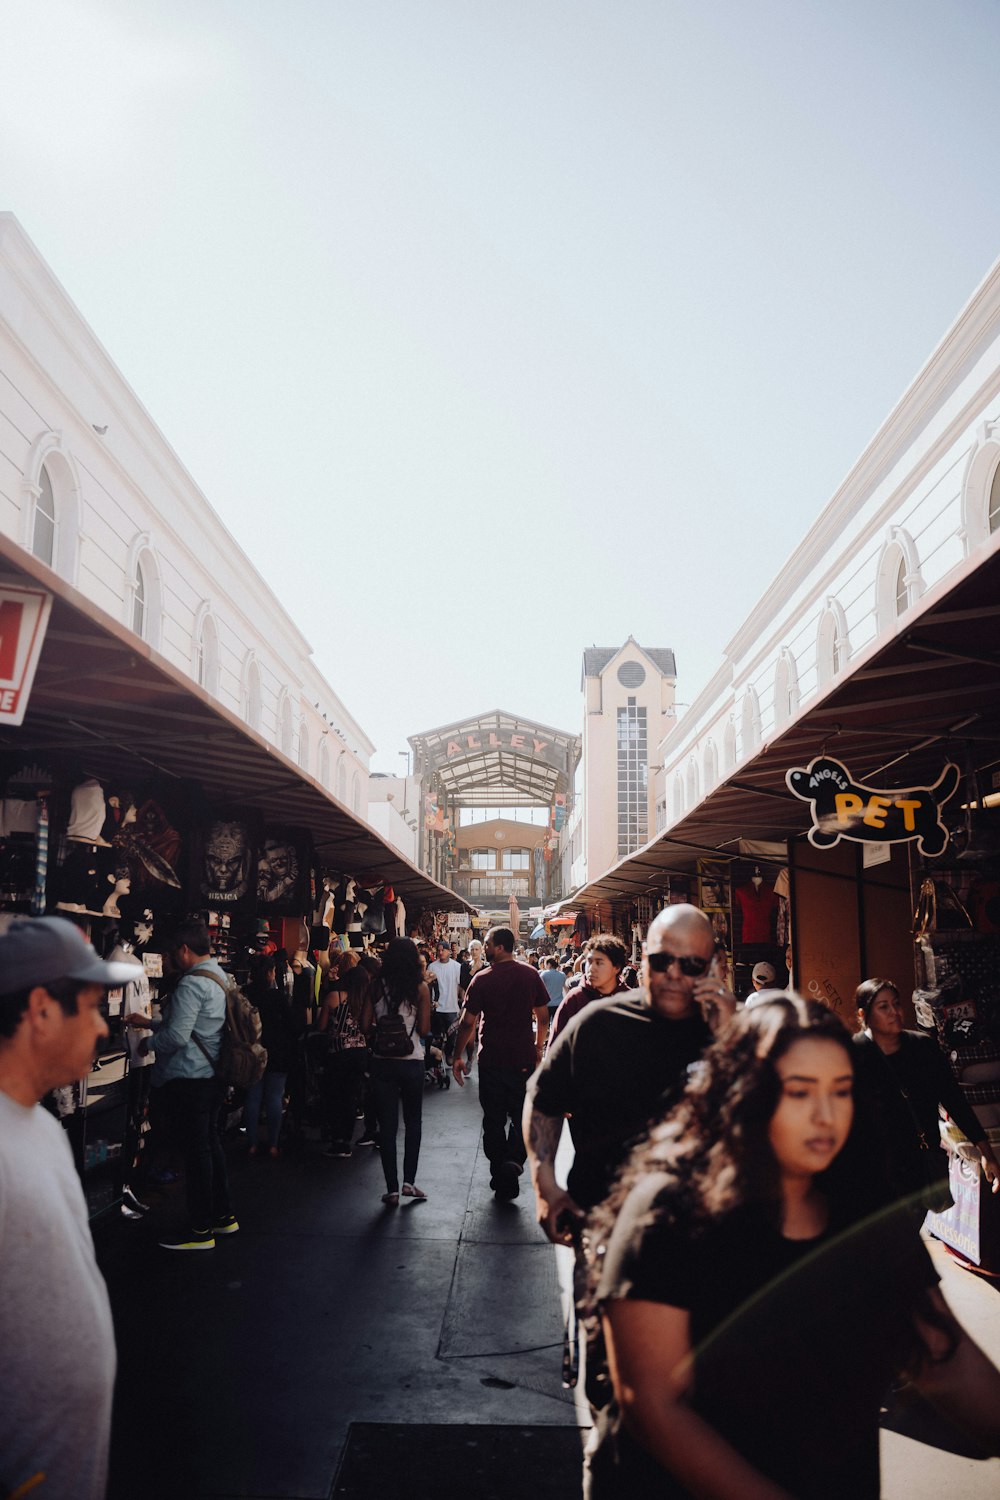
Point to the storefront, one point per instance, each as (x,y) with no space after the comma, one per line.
(131,797)
(901,878)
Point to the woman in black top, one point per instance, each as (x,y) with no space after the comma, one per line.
(749,1310)
(903,1078)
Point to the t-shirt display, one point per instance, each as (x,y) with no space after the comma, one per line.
(504,998)
(609,1070)
(55,1321)
(795,1341)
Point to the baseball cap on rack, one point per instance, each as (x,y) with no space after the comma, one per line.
(40,950)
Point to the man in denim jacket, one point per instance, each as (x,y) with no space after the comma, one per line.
(192,1094)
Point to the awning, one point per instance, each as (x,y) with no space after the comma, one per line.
(930,694)
(105,702)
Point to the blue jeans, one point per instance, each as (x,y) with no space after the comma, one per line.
(269,1090)
(395,1081)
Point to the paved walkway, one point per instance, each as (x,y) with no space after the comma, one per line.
(241,1371)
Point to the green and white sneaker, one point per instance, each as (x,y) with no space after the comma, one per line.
(196,1239)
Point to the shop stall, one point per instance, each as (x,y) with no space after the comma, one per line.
(864,840)
(130,799)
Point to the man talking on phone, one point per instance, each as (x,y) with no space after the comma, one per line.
(617,1063)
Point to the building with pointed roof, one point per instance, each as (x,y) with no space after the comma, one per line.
(628,708)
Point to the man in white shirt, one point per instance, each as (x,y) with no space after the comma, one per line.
(55,1321)
(448,973)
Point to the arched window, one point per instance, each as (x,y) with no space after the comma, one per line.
(324,763)
(139,602)
(285,724)
(206,651)
(356,793)
(729,747)
(50,505)
(786,688)
(833,647)
(678,797)
(981,489)
(251,693)
(693,790)
(750,722)
(303,746)
(898,583)
(710,764)
(43,531)
(143,597)
(342,778)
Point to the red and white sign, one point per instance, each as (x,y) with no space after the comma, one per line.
(24,618)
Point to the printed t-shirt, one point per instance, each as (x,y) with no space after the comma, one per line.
(448,976)
(504,998)
(56,1333)
(611,1071)
(794,1341)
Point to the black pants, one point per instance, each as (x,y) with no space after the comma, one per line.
(397,1081)
(501,1095)
(192,1107)
(343,1074)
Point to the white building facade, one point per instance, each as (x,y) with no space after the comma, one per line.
(921,503)
(90,485)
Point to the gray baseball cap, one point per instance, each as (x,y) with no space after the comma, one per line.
(39,950)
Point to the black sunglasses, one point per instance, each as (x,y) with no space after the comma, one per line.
(693,968)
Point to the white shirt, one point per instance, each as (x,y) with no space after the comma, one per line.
(447,974)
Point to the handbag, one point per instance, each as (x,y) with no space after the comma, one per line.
(345,1033)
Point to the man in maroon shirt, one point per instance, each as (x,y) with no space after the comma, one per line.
(510,1004)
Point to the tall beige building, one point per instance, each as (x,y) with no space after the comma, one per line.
(628,708)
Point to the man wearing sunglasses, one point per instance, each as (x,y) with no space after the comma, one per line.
(617,1062)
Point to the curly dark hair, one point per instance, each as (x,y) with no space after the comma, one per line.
(401,974)
(714,1142)
(713,1146)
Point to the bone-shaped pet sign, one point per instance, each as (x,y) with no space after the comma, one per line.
(846,809)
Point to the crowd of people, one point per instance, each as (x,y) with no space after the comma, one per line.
(743,1204)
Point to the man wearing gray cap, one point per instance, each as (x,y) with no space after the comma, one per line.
(55,1322)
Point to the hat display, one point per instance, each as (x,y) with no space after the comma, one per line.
(762,973)
(40,950)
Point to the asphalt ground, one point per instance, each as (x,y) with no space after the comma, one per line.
(242,1370)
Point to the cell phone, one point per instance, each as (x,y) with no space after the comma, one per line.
(567,1223)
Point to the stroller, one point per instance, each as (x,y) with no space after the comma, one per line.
(437,1073)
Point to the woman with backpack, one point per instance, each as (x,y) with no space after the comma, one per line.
(396,1016)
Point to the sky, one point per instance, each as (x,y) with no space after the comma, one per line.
(493,331)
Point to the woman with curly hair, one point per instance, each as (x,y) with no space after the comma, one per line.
(748,1304)
(398,997)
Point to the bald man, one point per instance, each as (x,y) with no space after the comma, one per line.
(619,1062)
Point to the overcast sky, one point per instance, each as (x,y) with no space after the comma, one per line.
(497,330)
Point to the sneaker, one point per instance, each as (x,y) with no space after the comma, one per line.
(367,1140)
(340,1150)
(226,1225)
(133,1204)
(198,1239)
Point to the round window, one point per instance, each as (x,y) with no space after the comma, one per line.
(631,674)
